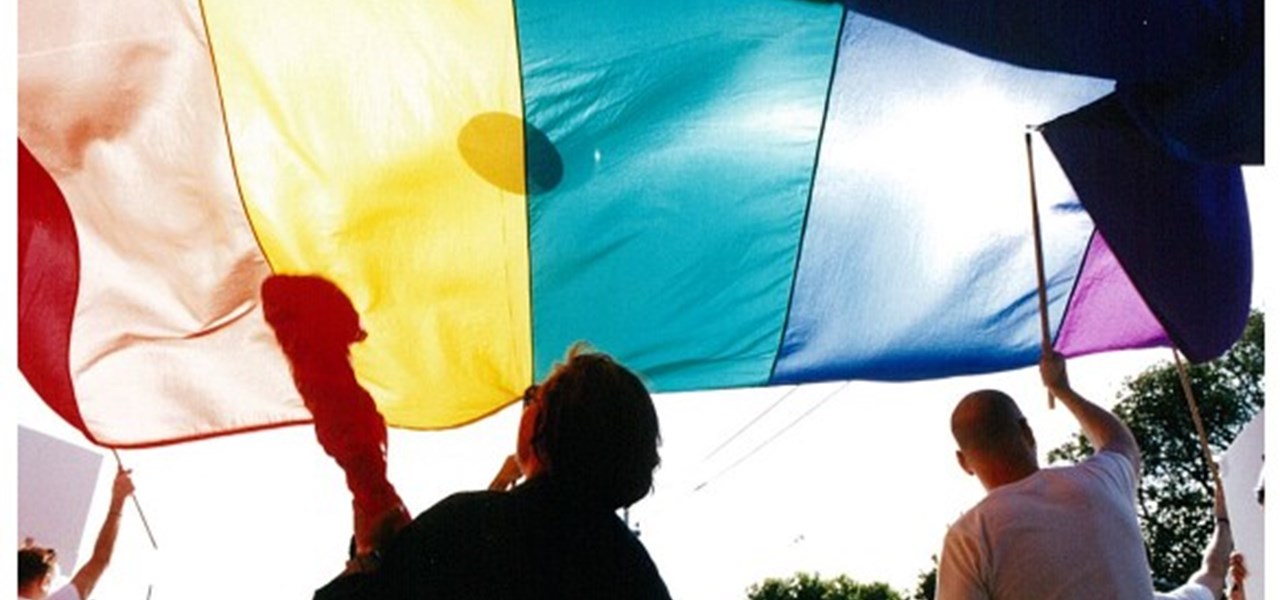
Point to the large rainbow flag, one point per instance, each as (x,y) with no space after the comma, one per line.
(721,193)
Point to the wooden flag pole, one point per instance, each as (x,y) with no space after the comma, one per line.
(136,505)
(1046,346)
(1195,418)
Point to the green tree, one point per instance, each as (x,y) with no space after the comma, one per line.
(926,583)
(1175,495)
(811,586)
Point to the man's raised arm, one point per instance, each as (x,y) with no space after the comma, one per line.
(87,577)
(1103,429)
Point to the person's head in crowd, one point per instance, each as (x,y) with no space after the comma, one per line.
(37,567)
(994,441)
(591,427)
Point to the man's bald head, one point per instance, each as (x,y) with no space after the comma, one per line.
(987,422)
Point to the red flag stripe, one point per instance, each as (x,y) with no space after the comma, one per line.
(48,280)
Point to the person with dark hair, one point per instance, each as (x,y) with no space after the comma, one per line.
(38,566)
(1056,533)
(587,446)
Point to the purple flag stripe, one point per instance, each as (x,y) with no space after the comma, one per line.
(1105,311)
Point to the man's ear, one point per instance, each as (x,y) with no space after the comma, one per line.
(964,462)
(1027,435)
(528,453)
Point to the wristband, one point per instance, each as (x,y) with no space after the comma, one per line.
(365,563)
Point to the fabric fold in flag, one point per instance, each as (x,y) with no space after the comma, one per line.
(166,340)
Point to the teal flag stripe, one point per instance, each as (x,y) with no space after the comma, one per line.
(671,149)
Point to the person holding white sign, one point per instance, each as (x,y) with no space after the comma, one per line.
(38,566)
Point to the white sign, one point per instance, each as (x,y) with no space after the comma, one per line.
(56,481)
(1241,475)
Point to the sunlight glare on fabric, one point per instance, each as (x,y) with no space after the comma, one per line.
(969,142)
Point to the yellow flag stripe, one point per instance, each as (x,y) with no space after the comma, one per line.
(379,145)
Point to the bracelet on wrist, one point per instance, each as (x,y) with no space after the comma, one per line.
(365,563)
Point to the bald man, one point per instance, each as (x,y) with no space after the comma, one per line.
(1044,534)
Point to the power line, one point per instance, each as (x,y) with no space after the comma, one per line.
(772,438)
(753,421)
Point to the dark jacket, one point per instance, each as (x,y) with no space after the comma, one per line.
(534,542)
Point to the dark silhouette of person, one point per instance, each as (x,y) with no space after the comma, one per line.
(587,446)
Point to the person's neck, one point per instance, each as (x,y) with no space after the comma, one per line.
(1002,475)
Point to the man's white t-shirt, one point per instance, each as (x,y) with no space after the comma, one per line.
(1188,591)
(1061,533)
(66,592)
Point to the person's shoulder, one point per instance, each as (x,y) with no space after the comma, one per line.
(1102,460)
(1109,460)
(455,515)
(1001,503)
(971,520)
(448,529)
(623,567)
(471,498)
(465,503)
(1112,469)
(66,592)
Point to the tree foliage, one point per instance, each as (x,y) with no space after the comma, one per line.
(1175,495)
(811,586)
(926,583)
